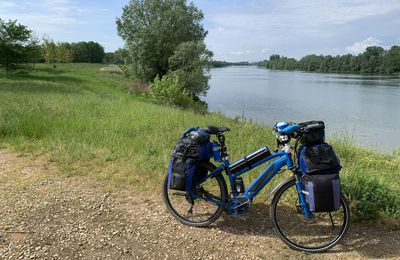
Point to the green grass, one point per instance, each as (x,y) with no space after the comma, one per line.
(83,118)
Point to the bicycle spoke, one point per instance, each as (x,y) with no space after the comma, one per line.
(322,230)
(199,205)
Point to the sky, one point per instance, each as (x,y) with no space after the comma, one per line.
(246,30)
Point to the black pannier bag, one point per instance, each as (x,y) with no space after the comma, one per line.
(192,148)
(322,192)
(320,158)
(314,132)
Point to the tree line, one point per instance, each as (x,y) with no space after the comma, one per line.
(19,45)
(65,52)
(373,60)
(220,64)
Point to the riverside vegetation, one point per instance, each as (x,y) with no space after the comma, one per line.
(83,117)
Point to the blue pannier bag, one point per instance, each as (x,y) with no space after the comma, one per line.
(192,148)
(320,180)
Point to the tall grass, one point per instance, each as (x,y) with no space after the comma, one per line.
(84,119)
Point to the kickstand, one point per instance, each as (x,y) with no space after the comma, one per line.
(191,201)
(330,216)
(190,209)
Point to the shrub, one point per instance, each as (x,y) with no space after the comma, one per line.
(168,90)
(370,198)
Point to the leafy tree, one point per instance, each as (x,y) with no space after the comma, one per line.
(152,30)
(121,56)
(117,57)
(274,57)
(80,52)
(372,60)
(49,51)
(95,52)
(34,51)
(15,40)
(64,52)
(91,52)
(392,60)
(189,61)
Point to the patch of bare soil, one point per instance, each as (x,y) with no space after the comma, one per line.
(45,215)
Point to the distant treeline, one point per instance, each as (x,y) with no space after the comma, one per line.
(219,64)
(117,57)
(373,60)
(18,45)
(65,52)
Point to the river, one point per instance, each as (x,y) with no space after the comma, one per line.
(365,109)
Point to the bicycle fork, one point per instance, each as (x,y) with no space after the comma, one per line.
(302,199)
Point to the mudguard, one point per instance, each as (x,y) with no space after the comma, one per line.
(279,185)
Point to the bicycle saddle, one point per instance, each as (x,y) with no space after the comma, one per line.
(213,130)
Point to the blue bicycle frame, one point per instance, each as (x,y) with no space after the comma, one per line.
(282,158)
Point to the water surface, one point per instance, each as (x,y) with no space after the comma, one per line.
(365,108)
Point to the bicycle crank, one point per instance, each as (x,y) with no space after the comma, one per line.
(238,206)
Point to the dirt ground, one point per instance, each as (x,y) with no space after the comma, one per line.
(46,215)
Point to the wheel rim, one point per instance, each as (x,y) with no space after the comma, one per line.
(195,210)
(322,231)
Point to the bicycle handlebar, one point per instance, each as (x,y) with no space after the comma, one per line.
(297,130)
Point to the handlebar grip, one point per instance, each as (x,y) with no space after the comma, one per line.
(290,129)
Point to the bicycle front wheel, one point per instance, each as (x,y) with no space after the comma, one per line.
(317,234)
(193,210)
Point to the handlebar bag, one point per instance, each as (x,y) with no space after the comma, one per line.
(192,148)
(320,158)
(314,132)
(322,192)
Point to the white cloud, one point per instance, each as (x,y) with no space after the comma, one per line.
(45,16)
(295,28)
(305,14)
(359,47)
(7,4)
(237,52)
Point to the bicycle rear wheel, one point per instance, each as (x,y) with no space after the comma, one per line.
(193,211)
(323,231)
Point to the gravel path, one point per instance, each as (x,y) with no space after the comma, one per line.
(45,215)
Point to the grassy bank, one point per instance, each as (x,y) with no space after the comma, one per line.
(84,119)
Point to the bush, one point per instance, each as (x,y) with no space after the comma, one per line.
(168,90)
(370,198)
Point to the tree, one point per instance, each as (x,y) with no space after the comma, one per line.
(64,52)
(15,40)
(34,51)
(372,59)
(91,52)
(392,60)
(80,52)
(152,30)
(49,51)
(189,62)
(95,52)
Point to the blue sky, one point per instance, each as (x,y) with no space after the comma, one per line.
(238,30)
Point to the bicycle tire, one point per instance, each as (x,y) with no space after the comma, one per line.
(223,192)
(295,245)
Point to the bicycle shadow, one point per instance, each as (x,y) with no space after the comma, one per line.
(366,239)
(255,222)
